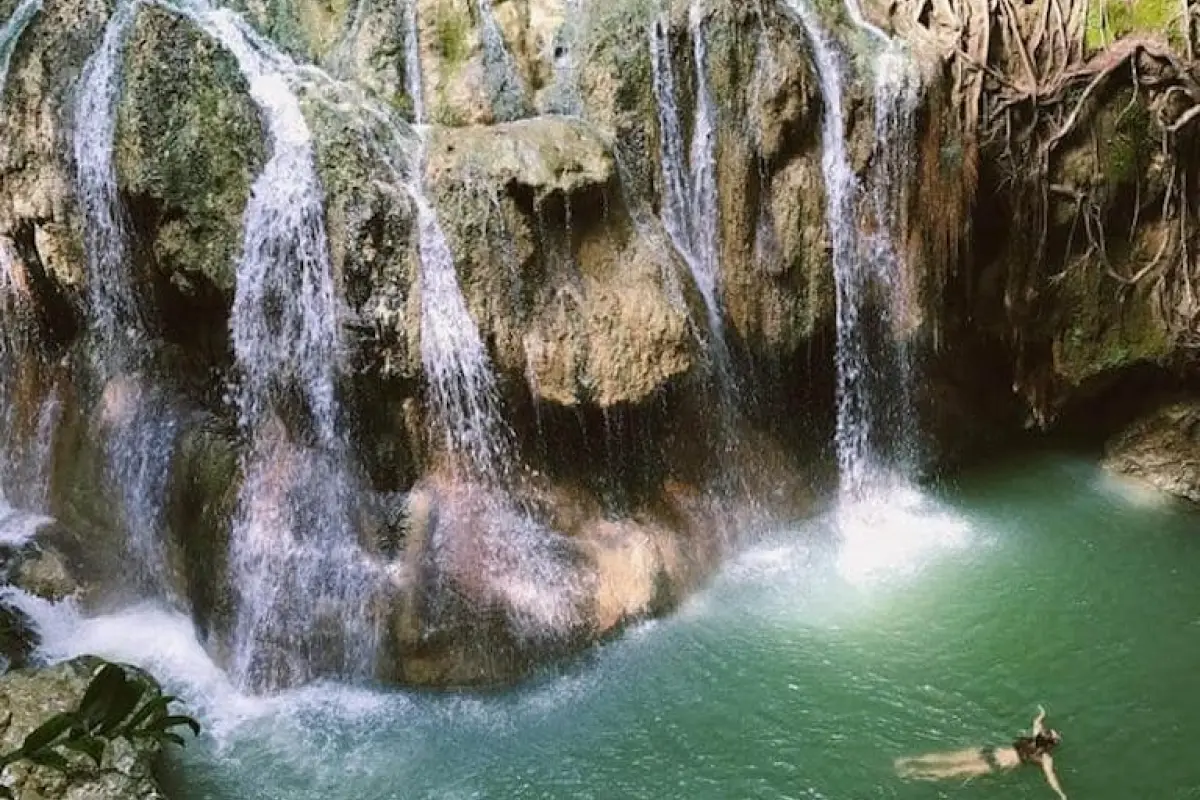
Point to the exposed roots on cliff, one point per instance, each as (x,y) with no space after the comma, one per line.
(1093,155)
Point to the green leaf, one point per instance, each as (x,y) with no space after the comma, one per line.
(49,758)
(96,700)
(154,708)
(166,723)
(90,746)
(125,698)
(47,732)
(173,737)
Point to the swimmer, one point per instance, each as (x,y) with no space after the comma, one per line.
(972,762)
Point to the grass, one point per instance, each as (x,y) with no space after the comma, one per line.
(1109,20)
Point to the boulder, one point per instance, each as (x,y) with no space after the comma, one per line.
(1161,449)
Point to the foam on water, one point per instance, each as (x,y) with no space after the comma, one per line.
(893,534)
(16,526)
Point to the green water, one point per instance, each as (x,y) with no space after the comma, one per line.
(783,680)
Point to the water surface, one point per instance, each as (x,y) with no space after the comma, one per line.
(802,672)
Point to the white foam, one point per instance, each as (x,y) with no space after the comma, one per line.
(18,527)
(893,534)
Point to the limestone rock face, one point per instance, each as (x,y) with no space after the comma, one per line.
(36,198)
(1161,449)
(31,696)
(568,292)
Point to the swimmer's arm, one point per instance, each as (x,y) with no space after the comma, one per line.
(1037,721)
(1051,778)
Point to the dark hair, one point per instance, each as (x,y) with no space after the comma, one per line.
(1047,741)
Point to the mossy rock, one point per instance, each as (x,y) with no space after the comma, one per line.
(371,221)
(1105,327)
(308,29)
(189,142)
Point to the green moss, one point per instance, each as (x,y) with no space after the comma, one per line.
(452,27)
(189,142)
(1101,330)
(1131,143)
(1109,20)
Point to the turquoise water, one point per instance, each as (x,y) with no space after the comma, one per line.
(801,672)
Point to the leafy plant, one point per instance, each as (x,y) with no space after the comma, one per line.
(112,708)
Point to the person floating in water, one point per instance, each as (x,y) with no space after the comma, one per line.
(1034,749)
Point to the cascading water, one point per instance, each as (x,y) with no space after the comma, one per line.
(307,595)
(142,426)
(896,93)
(690,210)
(115,323)
(461,381)
(857,463)
(413,82)
(882,521)
(462,384)
(689,178)
(506,87)
(10,34)
(139,423)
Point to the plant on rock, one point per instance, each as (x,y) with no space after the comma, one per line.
(114,706)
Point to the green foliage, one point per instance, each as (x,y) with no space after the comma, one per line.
(1131,144)
(1109,20)
(111,708)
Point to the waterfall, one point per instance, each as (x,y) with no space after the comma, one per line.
(307,595)
(896,94)
(139,424)
(876,437)
(412,61)
(10,35)
(858,460)
(461,382)
(142,427)
(111,301)
(506,88)
(690,210)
